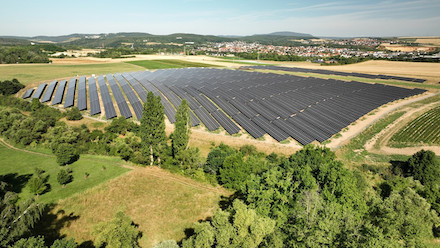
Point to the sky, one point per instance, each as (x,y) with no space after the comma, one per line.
(344,18)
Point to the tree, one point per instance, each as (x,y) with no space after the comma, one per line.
(34,242)
(216,157)
(35,104)
(18,218)
(38,183)
(64,243)
(64,176)
(66,154)
(10,87)
(424,166)
(406,216)
(152,129)
(73,114)
(239,227)
(181,132)
(234,171)
(118,232)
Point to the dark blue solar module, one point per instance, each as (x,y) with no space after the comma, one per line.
(70,94)
(28,93)
(58,98)
(39,91)
(119,97)
(107,101)
(95,107)
(49,92)
(132,97)
(303,108)
(82,93)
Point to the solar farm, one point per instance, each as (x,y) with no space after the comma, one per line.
(282,106)
(338,73)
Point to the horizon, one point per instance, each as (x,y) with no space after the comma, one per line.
(345,18)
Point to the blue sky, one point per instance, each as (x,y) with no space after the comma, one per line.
(316,17)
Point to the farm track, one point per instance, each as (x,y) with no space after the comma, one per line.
(9,146)
(378,144)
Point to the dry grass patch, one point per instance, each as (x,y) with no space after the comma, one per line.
(161,203)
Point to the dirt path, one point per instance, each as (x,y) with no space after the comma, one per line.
(9,146)
(368,120)
(382,138)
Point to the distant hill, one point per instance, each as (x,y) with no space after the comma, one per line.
(138,38)
(287,33)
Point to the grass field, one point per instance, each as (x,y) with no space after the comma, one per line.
(167,63)
(162,204)
(31,73)
(424,129)
(20,165)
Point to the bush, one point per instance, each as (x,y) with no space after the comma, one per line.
(38,183)
(64,176)
(73,114)
(66,154)
(10,87)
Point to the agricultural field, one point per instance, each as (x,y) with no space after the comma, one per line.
(423,130)
(167,63)
(32,73)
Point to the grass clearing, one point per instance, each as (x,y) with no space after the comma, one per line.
(167,63)
(19,165)
(425,129)
(164,205)
(32,73)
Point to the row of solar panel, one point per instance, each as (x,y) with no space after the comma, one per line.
(282,106)
(236,93)
(328,72)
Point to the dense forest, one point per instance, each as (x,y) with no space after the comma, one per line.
(28,53)
(307,199)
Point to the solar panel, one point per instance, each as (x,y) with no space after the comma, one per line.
(28,93)
(58,98)
(226,123)
(95,107)
(39,91)
(49,92)
(132,97)
(107,101)
(70,94)
(82,93)
(119,97)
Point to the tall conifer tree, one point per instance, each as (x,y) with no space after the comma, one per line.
(181,132)
(153,129)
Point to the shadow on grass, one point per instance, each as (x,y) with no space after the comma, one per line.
(51,224)
(15,182)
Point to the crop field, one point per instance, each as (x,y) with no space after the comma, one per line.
(28,74)
(167,63)
(424,129)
